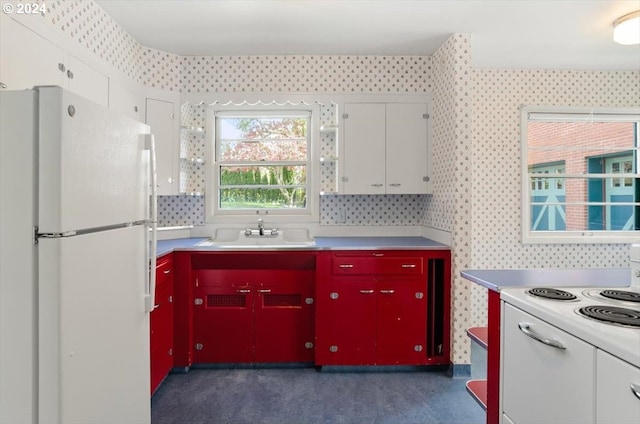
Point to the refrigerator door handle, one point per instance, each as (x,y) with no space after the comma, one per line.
(150,294)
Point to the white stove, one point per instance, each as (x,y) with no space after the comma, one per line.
(607,318)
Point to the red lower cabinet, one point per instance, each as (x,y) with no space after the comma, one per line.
(347,331)
(161,323)
(253,307)
(401,322)
(382,308)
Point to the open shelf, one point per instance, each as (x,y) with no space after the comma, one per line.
(479,335)
(478,390)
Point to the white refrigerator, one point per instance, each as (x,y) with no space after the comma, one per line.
(77,215)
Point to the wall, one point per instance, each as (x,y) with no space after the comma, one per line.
(495,158)
(450,206)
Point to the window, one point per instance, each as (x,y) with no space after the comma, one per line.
(262,162)
(580,175)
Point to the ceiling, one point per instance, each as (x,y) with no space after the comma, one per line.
(505,34)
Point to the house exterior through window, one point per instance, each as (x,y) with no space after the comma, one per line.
(581,176)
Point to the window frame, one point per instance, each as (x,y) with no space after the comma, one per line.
(212,171)
(572,114)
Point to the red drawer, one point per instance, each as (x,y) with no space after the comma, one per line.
(378,264)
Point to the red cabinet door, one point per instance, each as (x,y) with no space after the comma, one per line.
(401,318)
(346,330)
(222,321)
(161,324)
(284,313)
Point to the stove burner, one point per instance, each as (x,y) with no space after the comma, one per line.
(612,315)
(553,294)
(627,296)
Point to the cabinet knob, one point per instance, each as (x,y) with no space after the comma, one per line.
(333,348)
(334,295)
(61,67)
(69,74)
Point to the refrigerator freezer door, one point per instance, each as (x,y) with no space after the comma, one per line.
(93,166)
(94,332)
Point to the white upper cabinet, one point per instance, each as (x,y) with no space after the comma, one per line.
(385,149)
(364,148)
(29,59)
(87,81)
(160,116)
(126,101)
(406,148)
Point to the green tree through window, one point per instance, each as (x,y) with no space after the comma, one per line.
(263,162)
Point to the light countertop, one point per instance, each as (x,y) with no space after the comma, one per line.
(496,280)
(321,243)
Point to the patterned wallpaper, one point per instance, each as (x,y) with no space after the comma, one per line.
(476,135)
(306,74)
(451,198)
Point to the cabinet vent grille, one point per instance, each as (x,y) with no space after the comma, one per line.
(282,300)
(225,300)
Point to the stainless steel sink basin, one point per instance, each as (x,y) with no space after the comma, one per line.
(233,238)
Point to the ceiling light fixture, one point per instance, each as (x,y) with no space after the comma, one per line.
(626,29)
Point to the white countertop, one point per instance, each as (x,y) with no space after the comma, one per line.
(498,279)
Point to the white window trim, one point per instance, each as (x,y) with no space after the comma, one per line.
(568,237)
(308,214)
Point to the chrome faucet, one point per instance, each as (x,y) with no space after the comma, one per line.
(260,231)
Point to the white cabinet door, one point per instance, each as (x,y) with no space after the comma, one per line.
(542,383)
(364,148)
(125,101)
(28,59)
(87,81)
(406,148)
(160,117)
(616,401)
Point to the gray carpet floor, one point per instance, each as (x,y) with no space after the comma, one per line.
(307,396)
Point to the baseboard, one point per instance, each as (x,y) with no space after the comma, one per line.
(459,371)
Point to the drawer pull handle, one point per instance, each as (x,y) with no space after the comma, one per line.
(635,389)
(367,291)
(377,255)
(526,329)
(408,265)
(264,291)
(244,290)
(387,291)
(376,185)
(345,266)
(167,271)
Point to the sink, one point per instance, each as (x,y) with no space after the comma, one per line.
(234,238)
